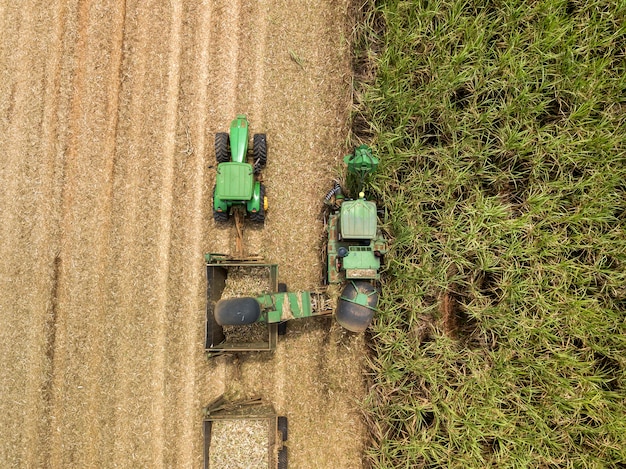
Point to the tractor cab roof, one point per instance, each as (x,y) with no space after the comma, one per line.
(358,219)
(235,181)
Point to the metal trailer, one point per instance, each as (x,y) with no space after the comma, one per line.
(253,410)
(217,267)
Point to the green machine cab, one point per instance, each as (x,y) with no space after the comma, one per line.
(237,183)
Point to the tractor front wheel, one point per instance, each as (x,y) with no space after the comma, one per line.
(222,147)
(259,150)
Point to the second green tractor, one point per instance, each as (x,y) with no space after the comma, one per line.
(238,183)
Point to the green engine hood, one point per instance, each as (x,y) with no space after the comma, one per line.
(239,139)
(358,219)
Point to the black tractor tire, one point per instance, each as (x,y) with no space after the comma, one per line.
(259,216)
(259,152)
(222,147)
(282,458)
(237,311)
(283,427)
(282,288)
(219,217)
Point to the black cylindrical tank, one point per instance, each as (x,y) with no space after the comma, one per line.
(237,311)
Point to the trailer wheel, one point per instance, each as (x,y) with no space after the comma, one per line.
(282,458)
(283,427)
(259,215)
(222,147)
(259,150)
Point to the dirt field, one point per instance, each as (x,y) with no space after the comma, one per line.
(107,115)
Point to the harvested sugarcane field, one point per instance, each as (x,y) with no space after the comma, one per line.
(108,115)
(492,327)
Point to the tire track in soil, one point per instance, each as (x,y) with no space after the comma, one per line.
(71,78)
(103,434)
(55,170)
(210,375)
(121,267)
(113,44)
(164,238)
(141,230)
(27,205)
(91,44)
(186,364)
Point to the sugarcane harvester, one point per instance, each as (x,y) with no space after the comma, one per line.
(355,247)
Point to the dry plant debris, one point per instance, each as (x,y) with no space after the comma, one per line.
(247,281)
(242,282)
(239,444)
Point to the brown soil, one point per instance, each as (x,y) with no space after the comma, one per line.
(107,116)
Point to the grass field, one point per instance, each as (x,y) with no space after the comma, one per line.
(500,126)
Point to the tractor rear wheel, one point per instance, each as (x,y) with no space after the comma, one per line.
(259,150)
(219,217)
(259,215)
(222,147)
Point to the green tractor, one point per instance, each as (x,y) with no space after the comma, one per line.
(238,185)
